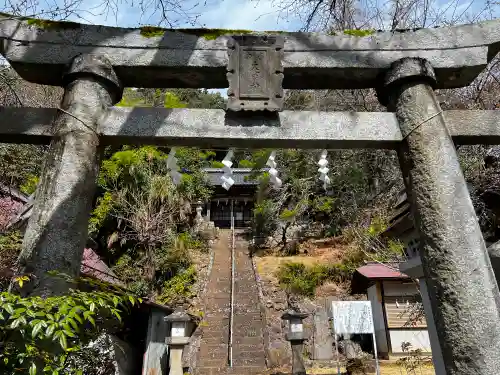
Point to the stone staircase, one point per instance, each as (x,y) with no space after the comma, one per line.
(248,326)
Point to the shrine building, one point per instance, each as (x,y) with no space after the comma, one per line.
(237,202)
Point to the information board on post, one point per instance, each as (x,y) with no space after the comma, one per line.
(353,317)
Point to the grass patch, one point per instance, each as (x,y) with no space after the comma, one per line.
(301,279)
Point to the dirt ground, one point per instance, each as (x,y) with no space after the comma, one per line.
(313,253)
(384,370)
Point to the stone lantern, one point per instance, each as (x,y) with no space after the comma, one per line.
(199,217)
(179,323)
(296,336)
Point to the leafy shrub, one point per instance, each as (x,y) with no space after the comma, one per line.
(246,164)
(140,288)
(296,278)
(167,262)
(30,184)
(216,164)
(178,288)
(172,259)
(101,211)
(301,279)
(263,221)
(10,247)
(192,243)
(39,334)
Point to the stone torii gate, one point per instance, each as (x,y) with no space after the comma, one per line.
(94,63)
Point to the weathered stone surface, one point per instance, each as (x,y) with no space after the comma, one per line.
(322,339)
(462,288)
(494,253)
(298,367)
(57,229)
(183,59)
(255,73)
(492,158)
(302,129)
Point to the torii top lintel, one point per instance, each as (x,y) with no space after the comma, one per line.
(199,59)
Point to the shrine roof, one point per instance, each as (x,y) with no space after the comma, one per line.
(93,266)
(381,271)
(367,275)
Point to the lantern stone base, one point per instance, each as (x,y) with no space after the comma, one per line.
(176,359)
(177,341)
(298,367)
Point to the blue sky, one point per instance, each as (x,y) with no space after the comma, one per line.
(228,14)
(235,14)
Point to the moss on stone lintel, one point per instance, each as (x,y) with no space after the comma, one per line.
(208,34)
(145,31)
(360,33)
(53,25)
(353,32)
(44,24)
(151,31)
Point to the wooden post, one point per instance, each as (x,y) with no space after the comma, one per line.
(57,229)
(155,358)
(463,292)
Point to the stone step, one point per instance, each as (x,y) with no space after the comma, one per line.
(215,340)
(219,362)
(209,352)
(240,370)
(257,361)
(248,327)
(251,347)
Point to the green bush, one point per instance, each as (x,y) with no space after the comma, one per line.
(216,164)
(30,184)
(101,212)
(192,243)
(140,288)
(178,288)
(246,164)
(38,335)
(263,221)
(300,279)
(170,260)
(10,247)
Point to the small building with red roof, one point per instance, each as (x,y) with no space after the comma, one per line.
(396,307)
